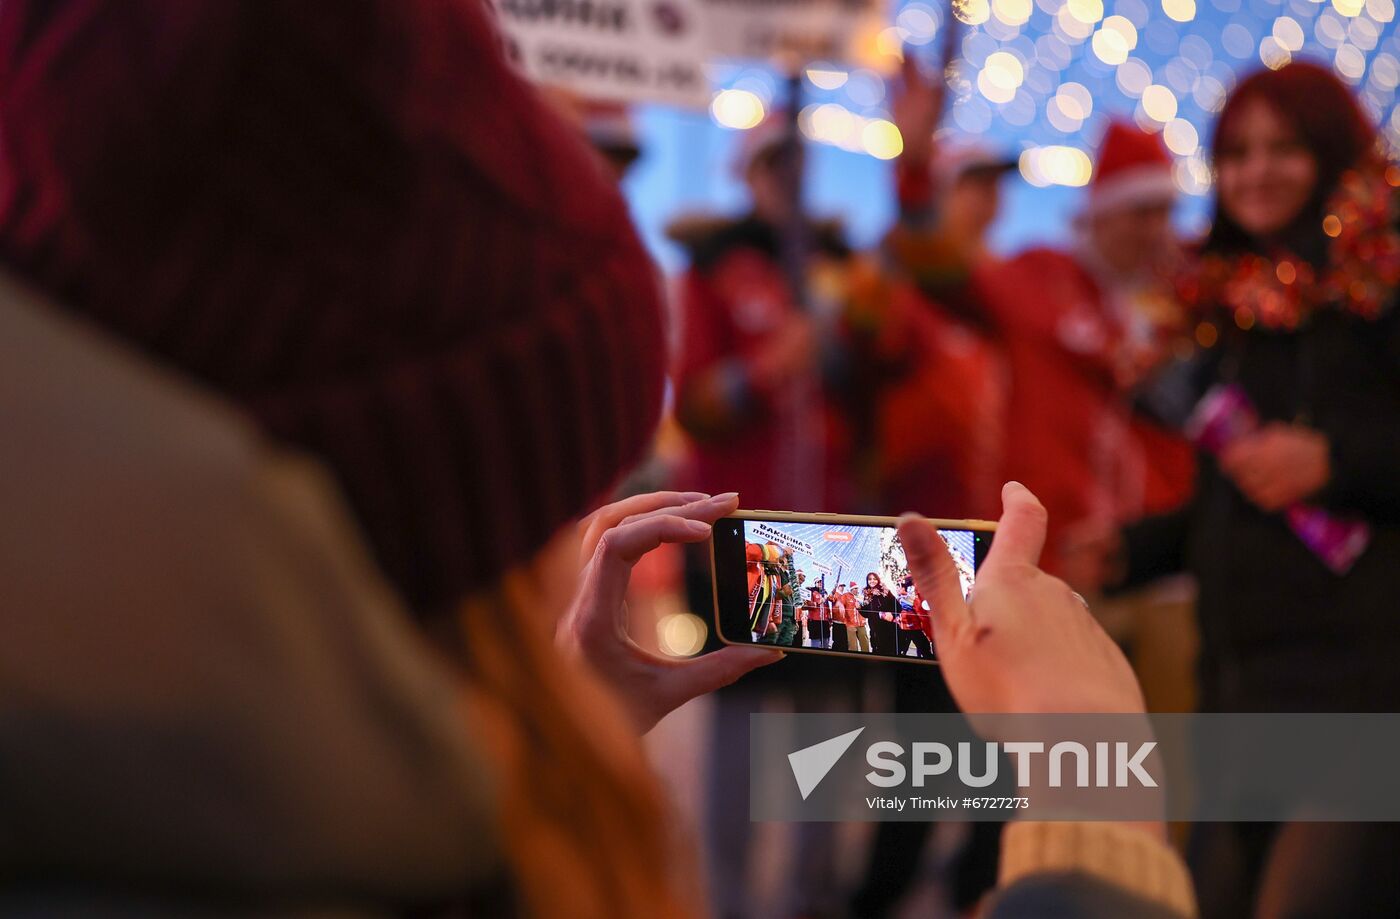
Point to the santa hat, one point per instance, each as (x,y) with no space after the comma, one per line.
(1133,168)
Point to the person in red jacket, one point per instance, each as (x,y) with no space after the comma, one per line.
(818,613)
(754,367)
(845,612)
(1096,321)
(913,623)
(942,424)
(754,346)
(1077,329)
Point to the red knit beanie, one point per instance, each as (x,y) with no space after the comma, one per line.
(358,222)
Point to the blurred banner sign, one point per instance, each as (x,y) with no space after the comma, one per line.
(780,538)
(656,50)
(791,31)
(624,50)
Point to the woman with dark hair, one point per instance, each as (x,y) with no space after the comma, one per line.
(879,609)
(1295,285)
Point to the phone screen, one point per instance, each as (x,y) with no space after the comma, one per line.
(828,587)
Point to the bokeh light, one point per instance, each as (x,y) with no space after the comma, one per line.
(1124,27)
(1272,54)
(1086,11)
(1158,103)
(1012,12)
(1110,46)
(1041,79)
(1076,100)
(1237,41)
(1055,165)
(1350,63)
(1133,76)
(826,77)
(1180,137)
(881,139)
(739,109)
(972,12)
(1001,76)
(1192,175)
(917,23)
(681,634)
(1288,33)
(1180,10)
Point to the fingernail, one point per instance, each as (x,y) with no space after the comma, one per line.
(916,532)
(695,495)
(724,498)
(697,526)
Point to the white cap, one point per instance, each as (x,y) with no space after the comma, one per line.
(957,158)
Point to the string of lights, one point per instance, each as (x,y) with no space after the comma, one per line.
(1045,75)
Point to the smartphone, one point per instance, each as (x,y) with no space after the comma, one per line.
(829,583)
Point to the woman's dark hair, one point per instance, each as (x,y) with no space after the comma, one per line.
(878,580)
(1328,122)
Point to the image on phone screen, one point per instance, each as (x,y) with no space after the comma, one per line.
(827,586)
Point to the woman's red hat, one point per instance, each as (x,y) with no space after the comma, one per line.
(358,222)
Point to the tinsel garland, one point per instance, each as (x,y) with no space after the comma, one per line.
(1280,291)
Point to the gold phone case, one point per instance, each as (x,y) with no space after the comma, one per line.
(986,526)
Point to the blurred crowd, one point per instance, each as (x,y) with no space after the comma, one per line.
(922,374)
(319,335)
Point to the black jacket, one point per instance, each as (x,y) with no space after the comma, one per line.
(875,605)
(1280,631)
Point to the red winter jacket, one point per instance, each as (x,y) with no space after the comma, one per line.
(1070,435)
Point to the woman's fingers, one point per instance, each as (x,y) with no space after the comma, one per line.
(1021,531)
(610,515)
(626,544)
(708,509)
(610,571)
(695,677)
(935,574)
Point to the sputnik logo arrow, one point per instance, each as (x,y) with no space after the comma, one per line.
(811,764)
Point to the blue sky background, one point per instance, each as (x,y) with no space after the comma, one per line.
(861,555)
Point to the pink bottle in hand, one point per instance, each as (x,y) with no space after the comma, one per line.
(1226,413)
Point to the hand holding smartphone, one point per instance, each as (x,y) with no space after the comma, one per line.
(829,583)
